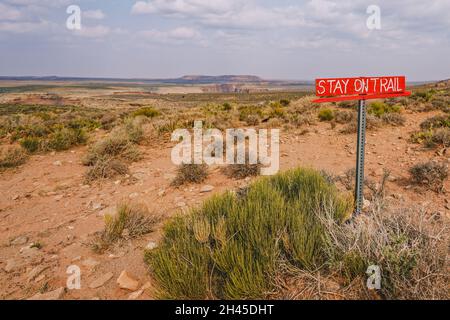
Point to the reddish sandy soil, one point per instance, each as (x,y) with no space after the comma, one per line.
(47,201)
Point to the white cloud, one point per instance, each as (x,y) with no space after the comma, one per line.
(24,27)
(180,35)
(93,32)
(9,13)
(93,14)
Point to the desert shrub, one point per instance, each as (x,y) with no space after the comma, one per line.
(115,145)
(431,174)
(105,167)
(378,108)
(439,121)
(344,116)
(148,112)
(394,119)
(285,102)
(31,144)
(130,221)
(441,137)
(231,247)
(424,95)
(372,123)
(227,106)
(12,157)
(431,138)
(133,129)
(63,139)
(326,115)
(190,173)
(276,110)
(252,120)
(246,111)
(410,250)
(241,171)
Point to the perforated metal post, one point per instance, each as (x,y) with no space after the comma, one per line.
(361,143)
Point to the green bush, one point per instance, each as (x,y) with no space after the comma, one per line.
(326,115)
(12,157)
(31,144)
(231,247)
(65,138)
(378,108)
(148,112)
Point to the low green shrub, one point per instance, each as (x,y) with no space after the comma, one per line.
(326,115)
(231,247)
(148,112)
(12,157)
(378,108)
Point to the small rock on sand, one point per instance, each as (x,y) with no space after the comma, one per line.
(125,281)
(101,280)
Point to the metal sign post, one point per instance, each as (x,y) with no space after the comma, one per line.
(360,151)
(362,89)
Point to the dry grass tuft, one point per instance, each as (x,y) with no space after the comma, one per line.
(430,174)
(12,157)
(190,173)
(130,221)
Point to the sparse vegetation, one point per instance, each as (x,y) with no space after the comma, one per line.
(148,112)
(130,221)
(378,108)
(12,157)
(430,174)
(190,173)
(326,115)
(231,247)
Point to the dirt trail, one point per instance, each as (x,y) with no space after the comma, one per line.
(46,201)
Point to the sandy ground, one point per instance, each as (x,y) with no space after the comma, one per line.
(46,201)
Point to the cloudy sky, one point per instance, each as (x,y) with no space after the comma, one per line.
(275,39)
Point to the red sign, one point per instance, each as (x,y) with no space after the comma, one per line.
(362,88)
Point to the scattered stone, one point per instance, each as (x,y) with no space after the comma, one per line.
(21,240)
(366,204)
(206,189)
(117,182)
(392,178)
(78,258)
(29,251)
(90,263)
(125,281)
(58,197)
(52,295)
(181,204)
(161,192)
(36,271)
(135,295)
(57,163)
(11,265)
(15,197)
(133,195)
(39,278)
(101,280)
(140,175)
(151,245)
